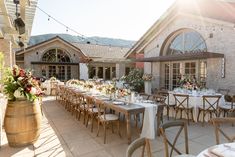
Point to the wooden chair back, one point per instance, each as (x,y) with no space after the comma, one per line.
(159,98)
(145,96)
(138,143)
(211,103)
(181,100)
(80,99)
(90,102)
(101,106)
(164,93)
(223,91)
(217,123)
(182,126)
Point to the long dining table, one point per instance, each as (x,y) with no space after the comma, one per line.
(126,108)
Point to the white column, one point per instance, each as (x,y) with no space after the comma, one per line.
(83,71)
(120,70)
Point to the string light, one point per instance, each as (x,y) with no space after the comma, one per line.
(83,37)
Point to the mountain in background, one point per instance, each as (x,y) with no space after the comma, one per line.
(73,39)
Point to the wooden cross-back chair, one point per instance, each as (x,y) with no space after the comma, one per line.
(167,102)
(228,106)
(106,118)
(92,111)
(223,91)
(73,100)
(182,127)
(182,104)
(145,96)
(217,123)
(160,100)
(138,143)
(210,106)
(81,107)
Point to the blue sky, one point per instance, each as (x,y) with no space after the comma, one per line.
(124,19)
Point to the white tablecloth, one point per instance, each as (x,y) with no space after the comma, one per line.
(223,150)
(148,129)
(194,101)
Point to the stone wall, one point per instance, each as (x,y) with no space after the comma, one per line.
(223,41)
(37,53)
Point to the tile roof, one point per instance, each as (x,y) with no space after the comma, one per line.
(100,51)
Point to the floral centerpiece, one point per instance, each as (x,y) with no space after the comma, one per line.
(189,83)
(20,84)
(123,92)
(52,78)
(147,77)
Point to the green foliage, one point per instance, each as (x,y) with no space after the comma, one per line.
(134,78)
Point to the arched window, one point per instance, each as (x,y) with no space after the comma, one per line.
(185,41)
(55,55)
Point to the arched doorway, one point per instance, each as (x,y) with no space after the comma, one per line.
(181,42)
(56,64)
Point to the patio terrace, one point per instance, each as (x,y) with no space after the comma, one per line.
(63,135)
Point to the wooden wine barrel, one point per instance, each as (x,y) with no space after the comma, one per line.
(22,122)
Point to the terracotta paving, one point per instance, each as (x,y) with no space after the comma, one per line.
(63,135)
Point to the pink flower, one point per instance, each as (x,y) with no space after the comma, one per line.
(33,90)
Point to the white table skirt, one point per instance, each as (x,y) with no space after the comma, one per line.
(148,129)
(195,102)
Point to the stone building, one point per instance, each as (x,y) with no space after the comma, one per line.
(65,60)
(193,38)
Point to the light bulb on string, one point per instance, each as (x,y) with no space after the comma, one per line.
(213,29)
(67,29)
(221,29)
(49,18)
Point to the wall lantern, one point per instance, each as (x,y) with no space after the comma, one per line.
(19,23)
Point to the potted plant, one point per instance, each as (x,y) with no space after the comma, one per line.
(23,114)
(134,78)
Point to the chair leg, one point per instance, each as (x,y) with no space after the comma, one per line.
(198,115)
(98,128)
(112,128)
(176,112)
(187,114)
(88,118)
(118,127)
(92,121)
(104,132)
(192,115)
(167,112)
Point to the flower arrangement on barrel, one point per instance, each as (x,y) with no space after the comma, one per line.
(23,113)
(20,84)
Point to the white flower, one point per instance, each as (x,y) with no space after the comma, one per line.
(33,91)
(20,78)
(18,94)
